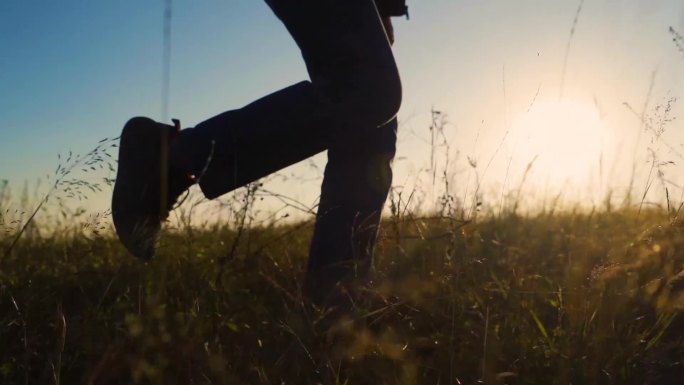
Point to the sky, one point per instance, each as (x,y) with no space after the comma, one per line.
(518,90)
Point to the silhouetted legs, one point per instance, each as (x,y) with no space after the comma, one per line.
(348,108)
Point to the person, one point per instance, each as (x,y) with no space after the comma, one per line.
(348,107)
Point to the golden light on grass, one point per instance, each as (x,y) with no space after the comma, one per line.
(565,139)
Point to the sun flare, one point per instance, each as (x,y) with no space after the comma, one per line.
(566,140)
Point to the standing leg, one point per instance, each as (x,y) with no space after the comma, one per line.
(357,179)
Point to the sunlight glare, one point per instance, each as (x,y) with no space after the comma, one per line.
(566,137)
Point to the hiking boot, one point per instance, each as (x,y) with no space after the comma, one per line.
(146,186)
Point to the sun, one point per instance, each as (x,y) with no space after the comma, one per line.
(566,140)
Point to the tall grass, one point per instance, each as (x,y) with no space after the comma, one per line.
(558,298)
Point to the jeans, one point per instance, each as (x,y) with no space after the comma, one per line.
(348,108)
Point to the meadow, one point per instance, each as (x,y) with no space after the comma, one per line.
(555,297)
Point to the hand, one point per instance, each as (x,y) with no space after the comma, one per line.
(389,30)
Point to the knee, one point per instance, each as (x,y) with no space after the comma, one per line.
(367,98)
(388,98)
(380,97)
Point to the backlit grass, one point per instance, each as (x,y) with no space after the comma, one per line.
(564,298)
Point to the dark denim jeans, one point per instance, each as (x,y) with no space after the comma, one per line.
(348,108)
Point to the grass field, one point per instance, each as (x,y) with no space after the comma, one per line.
(552,298)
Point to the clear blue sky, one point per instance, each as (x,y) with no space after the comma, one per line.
(72,72)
